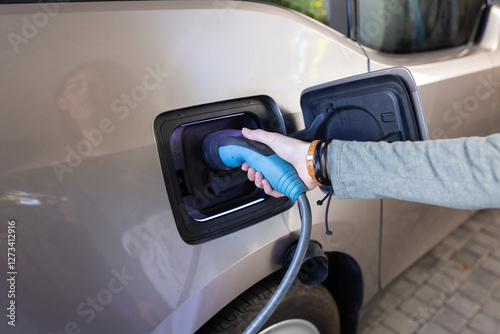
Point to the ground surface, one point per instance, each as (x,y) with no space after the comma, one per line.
(455,288)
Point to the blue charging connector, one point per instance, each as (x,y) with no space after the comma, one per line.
(227,149)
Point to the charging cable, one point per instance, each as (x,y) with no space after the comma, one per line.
(293,270)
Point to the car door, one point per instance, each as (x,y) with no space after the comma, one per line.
(451,57)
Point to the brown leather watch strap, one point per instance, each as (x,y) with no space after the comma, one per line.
(310,161)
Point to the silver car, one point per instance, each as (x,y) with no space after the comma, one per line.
(112,223)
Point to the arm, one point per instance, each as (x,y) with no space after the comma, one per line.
(460,173)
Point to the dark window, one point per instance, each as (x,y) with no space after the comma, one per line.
(407,26)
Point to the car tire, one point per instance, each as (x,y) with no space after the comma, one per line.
(302,307)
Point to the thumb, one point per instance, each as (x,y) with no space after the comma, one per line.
(258,135)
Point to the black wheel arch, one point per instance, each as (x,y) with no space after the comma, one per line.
(345,283)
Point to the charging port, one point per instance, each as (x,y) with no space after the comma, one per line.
(206,203)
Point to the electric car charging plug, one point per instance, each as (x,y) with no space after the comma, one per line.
(226,149)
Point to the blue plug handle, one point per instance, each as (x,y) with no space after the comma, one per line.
(233,150)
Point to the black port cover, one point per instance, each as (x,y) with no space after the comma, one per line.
(382,105)
(208,204)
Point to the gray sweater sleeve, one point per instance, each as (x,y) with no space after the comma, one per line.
(460,173)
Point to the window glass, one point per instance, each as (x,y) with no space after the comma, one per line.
(406,26)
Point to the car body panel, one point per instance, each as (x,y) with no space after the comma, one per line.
(93,207)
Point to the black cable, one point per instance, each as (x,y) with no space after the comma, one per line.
(328,232)
(320,203)
(321,171)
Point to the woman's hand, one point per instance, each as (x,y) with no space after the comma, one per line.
(289,149)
